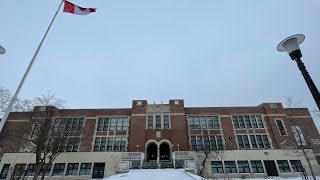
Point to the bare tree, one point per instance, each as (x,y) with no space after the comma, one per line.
(50,133)
(298,148)
(5,97)
(207,151)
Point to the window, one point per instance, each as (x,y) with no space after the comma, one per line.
(46,168)
(113,124)
(31,170)
(72,169)
(217,167)
(208,142)
(4,171)
(110,143)
(197,122)
(203,122)
(19,170)
(193,143)
(298,135)
(260,123)
(123,143)
(117,141)
(73,144)
(235,122)
(58,169)
(283,166)
(253,141)
(219,142)
(85,169)
(166,121)
(191,123)
(296,166)
(158,122)
(119,124)
(256,167)
(207,122)
(247,122)
(68,124)
(254,144)
(150,121)
(243,167)
(230,166)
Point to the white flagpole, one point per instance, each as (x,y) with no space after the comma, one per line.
(14,98)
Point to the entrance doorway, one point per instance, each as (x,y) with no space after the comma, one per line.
(152,151)
(98,170)
(271,168)
(164,152)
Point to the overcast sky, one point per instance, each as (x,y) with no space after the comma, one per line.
(209,53)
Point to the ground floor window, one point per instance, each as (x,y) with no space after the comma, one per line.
(85,169)
(243,166)
(217,167)
(230,166)
(296,166)
(46,168)
(72,169)
(4,171)
(31,170)
(58,169)
(283,166)
(19,169)
(256,167)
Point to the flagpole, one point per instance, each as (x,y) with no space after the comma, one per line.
(14,98)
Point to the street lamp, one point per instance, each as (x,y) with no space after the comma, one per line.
(291,45)
(2,50)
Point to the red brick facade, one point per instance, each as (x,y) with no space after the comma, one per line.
(178,133)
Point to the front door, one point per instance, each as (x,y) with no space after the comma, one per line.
(164,152)
(152,152)
(98,170)
(271,168)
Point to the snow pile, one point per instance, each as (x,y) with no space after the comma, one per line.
(154,174)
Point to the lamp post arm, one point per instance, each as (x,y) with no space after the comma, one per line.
(312,87)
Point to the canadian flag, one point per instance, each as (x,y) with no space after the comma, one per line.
(77,10)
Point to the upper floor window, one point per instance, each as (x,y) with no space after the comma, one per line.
(158,121)
(247,122)
(203,122)
(113,124)
(213,142)
(68,124)
(110,143)
(281,128)
(253,142)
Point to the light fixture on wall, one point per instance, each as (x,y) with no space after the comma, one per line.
(137,146)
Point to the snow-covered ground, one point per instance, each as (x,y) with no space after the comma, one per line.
(170,174)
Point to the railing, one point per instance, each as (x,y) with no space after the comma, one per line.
(189,165)
(130,156)
(181,155)
(133,155)
(124,165)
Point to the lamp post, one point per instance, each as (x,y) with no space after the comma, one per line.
(291,45)
(2,50)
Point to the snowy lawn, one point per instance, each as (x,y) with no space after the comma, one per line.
(172,174)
